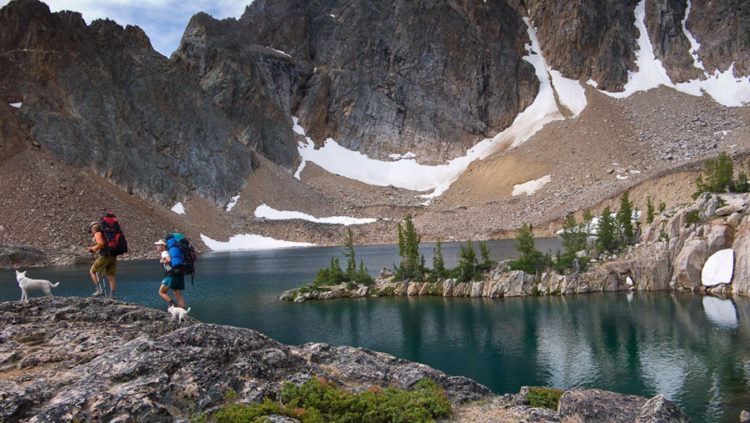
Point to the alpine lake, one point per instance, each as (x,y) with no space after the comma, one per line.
(693,349)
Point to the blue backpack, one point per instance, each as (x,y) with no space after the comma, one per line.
(181,254)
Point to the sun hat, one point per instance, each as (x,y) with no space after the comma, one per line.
(160,242)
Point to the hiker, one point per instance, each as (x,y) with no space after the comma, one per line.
(174,279)
(105,263)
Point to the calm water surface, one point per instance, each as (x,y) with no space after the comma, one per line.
(694,350)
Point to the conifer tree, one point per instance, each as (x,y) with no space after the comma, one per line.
(573,236)
(411,266)
(606,239)
(625,219)
(484,252)
(650,210)
(438,264)
(530,259)
(467,262)
(351,260)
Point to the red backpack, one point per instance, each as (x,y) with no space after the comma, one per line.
(114,238)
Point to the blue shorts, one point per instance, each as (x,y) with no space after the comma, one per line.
(176,282)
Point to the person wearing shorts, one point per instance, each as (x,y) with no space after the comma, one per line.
(172,280)
(104,263)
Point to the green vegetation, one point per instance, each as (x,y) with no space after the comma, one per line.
(484,252)
(662,206)
(691,217)
(718,176)
(317,401)
(544,397)
(333,275)
(412,264)
(625,219)
(531,259)
(574,239)
(650,210)
(467,263)
(438,264)
(606,237)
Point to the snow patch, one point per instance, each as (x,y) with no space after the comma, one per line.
(723,87)
(266,212)
(651,72)
(232,203)
(592,83)
(721,312)
(694,45)
(279,51)
(246,242)
(621,177)
(570,92)
(718,268)
(409,174)
(16,105)
(178,208)
(298,173)
(531,187)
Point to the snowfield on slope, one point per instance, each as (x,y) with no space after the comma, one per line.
(266,212)
(248,242)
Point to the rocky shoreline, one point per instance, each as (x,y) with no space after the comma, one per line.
(671,255)
(87,359)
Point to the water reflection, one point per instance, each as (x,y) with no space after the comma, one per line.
(720,311)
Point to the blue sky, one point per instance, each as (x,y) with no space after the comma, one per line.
(163,20)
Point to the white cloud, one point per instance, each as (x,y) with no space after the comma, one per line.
(164,21)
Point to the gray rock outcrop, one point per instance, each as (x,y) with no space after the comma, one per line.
(66,359)
(597,406)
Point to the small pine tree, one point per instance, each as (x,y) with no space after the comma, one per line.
(662,206)
(573,235)
(467,262)
(531,260)
(484,252)
(438,264)
(742,184)
(587,219)
(606,239)
(351,260)
(412,265)
(363,276)
(650,210)
(625,219)
(718,175)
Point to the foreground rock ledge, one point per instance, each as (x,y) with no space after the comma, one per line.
(64,359)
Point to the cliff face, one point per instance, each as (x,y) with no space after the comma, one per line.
(588,38)
(393,76)
(100,96)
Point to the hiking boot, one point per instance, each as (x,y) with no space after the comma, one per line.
(97,293)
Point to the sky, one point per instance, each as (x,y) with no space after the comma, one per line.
(164,21)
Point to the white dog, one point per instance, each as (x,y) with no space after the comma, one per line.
(178,312)
(27,284)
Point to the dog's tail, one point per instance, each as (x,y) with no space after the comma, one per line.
(54,285)
(187,311)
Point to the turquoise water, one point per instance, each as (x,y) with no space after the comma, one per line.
(696,351)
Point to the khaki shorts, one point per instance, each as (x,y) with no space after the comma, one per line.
(105,264)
